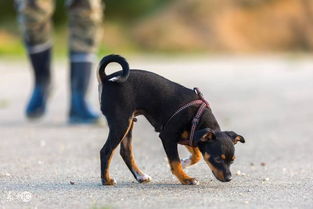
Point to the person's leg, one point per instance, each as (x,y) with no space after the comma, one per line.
(34,18)
(85,17)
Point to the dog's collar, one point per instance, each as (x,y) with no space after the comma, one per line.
(203,104)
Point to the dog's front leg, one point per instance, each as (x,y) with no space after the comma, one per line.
(193,158)
(175,164)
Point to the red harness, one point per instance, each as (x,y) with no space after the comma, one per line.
(203,104)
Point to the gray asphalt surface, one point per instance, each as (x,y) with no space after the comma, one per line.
(267,100)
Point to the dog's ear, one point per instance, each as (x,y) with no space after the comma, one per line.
(204,135)
(235,137)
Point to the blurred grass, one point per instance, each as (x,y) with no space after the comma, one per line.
(11,45)
(119,18)
(100,207)
(4,103)
(116,39)
(187,27)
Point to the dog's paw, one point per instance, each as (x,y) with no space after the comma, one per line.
(108,182)
(186,162)
(191,181)
(143,178)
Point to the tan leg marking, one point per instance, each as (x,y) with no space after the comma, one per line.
(140,176)
(193,158)
(108,179)
(129,158)
(178,171)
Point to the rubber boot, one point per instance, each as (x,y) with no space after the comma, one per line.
(80,111)
(41,64)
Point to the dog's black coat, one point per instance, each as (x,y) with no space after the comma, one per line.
(128,93)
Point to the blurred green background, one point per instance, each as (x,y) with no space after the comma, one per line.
(185,26)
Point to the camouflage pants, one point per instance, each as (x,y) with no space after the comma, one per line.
(85,18)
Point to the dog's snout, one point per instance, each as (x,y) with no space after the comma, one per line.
(228,177)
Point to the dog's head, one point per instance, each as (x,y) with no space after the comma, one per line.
(217,148)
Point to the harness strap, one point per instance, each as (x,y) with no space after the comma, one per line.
(196,119)
(195,102)
(195,122)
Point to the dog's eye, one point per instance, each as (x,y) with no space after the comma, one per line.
(218,159)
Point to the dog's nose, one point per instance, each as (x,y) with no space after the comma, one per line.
(228,177)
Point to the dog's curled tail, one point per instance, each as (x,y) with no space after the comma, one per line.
(119,76)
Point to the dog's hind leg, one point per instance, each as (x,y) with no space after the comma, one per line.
(118,130)
(126,152)
(193,158)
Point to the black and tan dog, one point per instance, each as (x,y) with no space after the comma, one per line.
(179,114)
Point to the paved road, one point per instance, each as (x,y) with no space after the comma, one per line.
(268,100)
